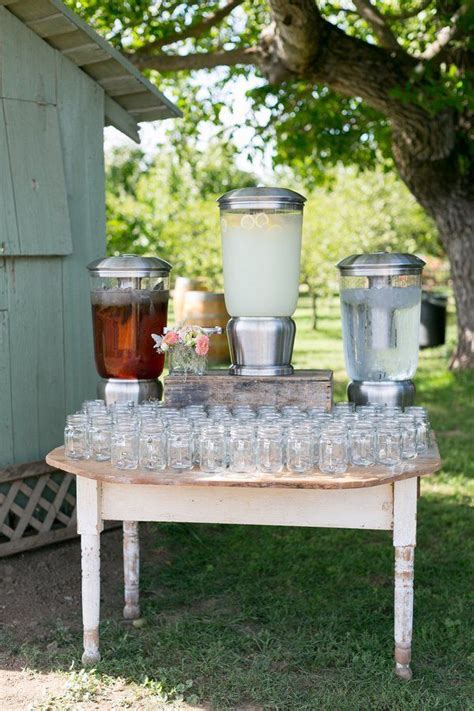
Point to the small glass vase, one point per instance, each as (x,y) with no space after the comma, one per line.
(183,359)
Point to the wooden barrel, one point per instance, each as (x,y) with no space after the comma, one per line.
(206,308)
(181,286)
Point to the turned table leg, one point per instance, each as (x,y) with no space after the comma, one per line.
(89,526)
(404,540)
(90,550)
(131,570)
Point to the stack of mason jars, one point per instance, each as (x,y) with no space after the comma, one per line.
(245,439)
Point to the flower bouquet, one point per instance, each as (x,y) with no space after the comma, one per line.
(187,347)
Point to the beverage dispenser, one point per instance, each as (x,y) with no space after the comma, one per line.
(129,299)
(261,247)
(380,306)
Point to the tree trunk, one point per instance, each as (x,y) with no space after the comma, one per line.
(460,250)
(314,308)
(445,188)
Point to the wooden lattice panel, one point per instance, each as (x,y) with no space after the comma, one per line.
(37,506)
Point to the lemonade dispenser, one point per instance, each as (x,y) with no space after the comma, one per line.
(380,307)
(261,247)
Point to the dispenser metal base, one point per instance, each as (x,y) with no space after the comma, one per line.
(261,346)
(399,393)
(136,391)
(263,370)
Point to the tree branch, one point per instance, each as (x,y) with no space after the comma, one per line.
(376,21)
(296,34)
(301,43)
(351,67)
(193,31)
(395,16)
(197,60)
(445,35)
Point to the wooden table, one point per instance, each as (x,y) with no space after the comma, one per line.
(379,498)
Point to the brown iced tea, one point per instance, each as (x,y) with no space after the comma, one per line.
(123,321)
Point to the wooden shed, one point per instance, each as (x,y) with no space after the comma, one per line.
(60,83)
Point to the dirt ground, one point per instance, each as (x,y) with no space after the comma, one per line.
(40,590)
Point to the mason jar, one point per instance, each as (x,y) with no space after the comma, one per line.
(242,448)
(408,429)
(153,454)
(180,445)
(362,444)
(299,448)
(212,448)
(100,433)
(269,447)
(76,437)
(333,454)
(389,442)
(124,446)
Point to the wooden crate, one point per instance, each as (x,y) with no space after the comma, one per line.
(306,388)
(37,506)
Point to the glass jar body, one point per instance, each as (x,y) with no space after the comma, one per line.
(333,451)
(180,446)
(261,252)
(76,438)
(362,442)
(125,312)
(389,444)
(270,449)
(124,447)
(100,434)
(153,452)
(212,449)
(242,449)
(380,324)
(183,359)
(299,450)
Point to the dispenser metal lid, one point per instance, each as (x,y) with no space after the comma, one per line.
(132,265)
(261,199)
(380,264)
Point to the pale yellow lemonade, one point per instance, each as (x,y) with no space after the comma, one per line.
(261,257)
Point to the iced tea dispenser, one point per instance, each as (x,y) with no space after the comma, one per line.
(129,300)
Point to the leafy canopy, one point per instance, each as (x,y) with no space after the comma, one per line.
(311,126)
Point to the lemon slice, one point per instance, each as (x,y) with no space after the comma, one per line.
(224,224)
(247,222)
(275,224)
(261,220)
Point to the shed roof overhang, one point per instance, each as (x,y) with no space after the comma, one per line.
(129,97)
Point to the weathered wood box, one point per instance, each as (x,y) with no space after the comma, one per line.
(306,388)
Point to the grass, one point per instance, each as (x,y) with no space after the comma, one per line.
(301,619)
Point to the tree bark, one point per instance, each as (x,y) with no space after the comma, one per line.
(460,250)
(445,188)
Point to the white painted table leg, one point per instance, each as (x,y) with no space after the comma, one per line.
(90,549)
(89,526)
(131,570)
(404,541)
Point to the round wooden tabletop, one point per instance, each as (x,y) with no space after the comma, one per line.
(354,478)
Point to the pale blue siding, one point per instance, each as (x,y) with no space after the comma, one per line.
(52,224)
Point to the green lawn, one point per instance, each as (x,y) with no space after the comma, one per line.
(301,619)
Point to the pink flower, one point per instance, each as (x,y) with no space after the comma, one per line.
(202,345)
(170,338)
